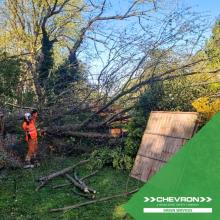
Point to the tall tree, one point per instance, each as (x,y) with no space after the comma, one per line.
(34,26)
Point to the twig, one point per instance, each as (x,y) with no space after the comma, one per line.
(89,175)
(67,208)
(62,185)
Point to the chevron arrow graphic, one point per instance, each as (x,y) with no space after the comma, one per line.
(146,199)
(202,199)
(152,199)
(208,199)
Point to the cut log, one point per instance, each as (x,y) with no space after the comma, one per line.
(83,184)
(88,196)
(82,187)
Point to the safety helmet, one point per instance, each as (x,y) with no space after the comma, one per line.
(27,116)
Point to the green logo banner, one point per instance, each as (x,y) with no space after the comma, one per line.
(188,186)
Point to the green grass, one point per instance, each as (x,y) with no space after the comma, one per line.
(18,199)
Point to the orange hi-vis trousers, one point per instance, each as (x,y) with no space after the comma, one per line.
(32,149)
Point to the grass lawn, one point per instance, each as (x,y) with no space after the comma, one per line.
(18,199)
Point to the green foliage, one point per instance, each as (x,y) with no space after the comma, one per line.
(111,157)
(121,161)
(135,131)
(212,49)
(66,73)
(9,76)
(12,86)
(148,101)
(27,98)
(34,28)
(173,95)
(119,213)
(179,94)
(100,157)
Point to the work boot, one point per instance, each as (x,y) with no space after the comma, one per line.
(36,162)
(28,165)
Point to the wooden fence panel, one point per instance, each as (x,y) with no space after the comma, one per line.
(165,134)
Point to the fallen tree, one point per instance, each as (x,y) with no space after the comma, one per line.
(75,100)
(92,135)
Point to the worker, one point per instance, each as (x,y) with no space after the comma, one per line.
(29,126)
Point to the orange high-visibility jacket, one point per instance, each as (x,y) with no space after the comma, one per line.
(30,129)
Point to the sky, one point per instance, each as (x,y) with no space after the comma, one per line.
(212,7)
(208,7)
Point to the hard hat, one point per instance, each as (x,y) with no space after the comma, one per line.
(27,116)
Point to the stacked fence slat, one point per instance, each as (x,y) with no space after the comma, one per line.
(165,134)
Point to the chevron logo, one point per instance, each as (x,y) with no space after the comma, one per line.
(177,199)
